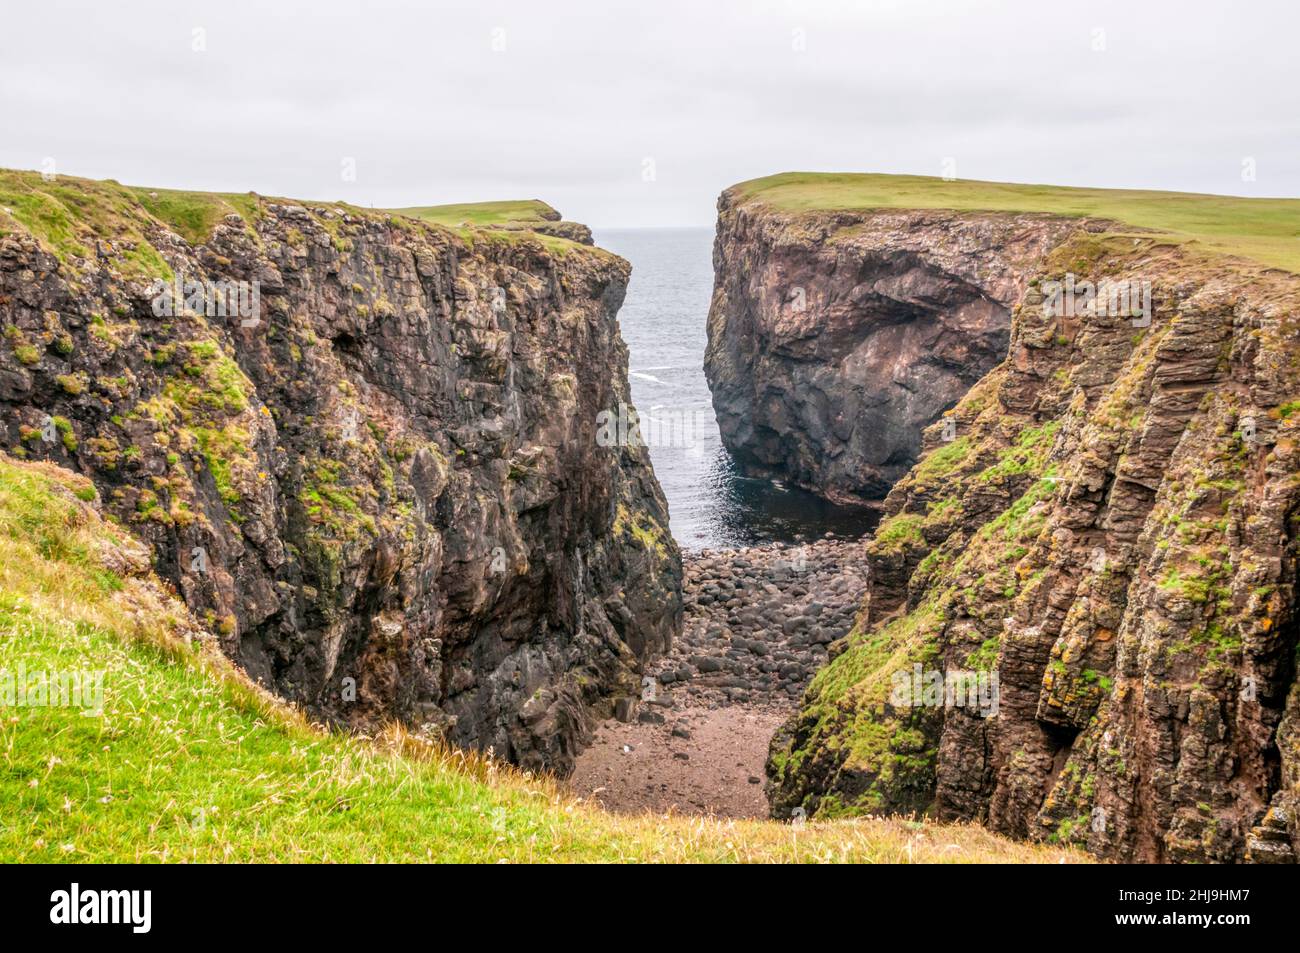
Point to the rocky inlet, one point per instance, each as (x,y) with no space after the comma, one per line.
(383,492)
(758,625)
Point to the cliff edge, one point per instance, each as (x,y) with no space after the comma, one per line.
(1080,625)
(372,467)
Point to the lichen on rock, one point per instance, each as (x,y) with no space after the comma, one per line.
(384,491)
(1110,529)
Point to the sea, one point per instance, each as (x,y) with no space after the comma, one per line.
(711,504)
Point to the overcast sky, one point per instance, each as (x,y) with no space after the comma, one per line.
(638,114)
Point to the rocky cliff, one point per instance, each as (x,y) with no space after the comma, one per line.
(381,484)
(1081,619)
(836,337)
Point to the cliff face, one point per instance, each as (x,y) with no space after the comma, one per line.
(1100,564)
(835,338)
(384,492)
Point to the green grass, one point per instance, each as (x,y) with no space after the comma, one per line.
(1266,230)
(500,222)
(481,214)
(942,460)
(493,221)
(900,530)
(189,761)
(193,215)
(69,215)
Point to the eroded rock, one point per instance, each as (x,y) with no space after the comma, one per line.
(835,338)
(385,493)
(1107,542)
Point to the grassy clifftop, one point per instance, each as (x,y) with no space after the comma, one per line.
(1265,230)
(497,220)
(189,761)
(481,214)
(74,217)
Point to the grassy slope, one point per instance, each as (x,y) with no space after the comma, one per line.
(69,215)
(480,214)
(1266,230)
(191,762)
(493,221)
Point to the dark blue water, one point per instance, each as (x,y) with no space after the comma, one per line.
(663,322)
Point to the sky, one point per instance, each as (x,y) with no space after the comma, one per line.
(637,114)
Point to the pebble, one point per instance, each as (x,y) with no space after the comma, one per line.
(758,620)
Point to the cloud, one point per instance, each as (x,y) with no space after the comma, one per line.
(461,101)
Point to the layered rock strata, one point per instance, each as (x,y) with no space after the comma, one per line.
(835,338)
(1094,562)
(380,483)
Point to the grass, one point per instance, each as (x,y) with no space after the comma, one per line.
(193,215)
(505,222)
(189,761)
(481,214)
(1266,230)
(70,215)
